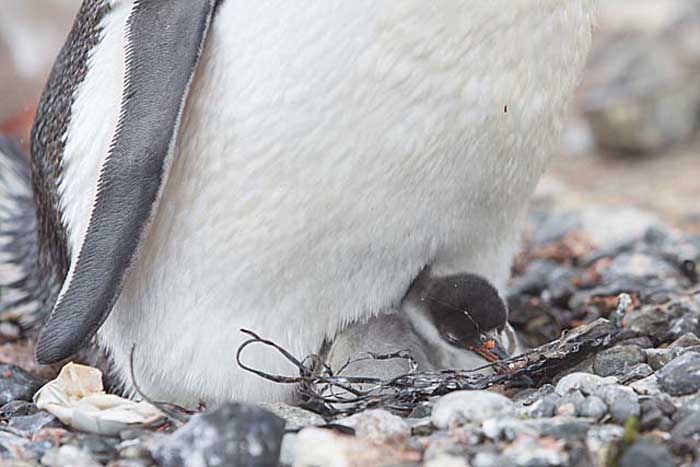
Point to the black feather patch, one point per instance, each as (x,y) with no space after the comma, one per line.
(22,291)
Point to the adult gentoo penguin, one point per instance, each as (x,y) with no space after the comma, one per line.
(203,166)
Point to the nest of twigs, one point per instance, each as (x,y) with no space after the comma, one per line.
(330,393)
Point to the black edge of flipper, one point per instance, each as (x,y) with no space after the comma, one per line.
(166,39)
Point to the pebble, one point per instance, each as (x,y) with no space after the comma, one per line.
(682,376)
(618,360)
(648,386)
(68,456)
(28,425)
(688,428)
(636,373)
(657,413)
(536,452)
(234,434)
(587,383)
(687,340)
(602,441)
(544,407)
(622,402)
(17,409)
(378,426)
(645,453)
(470,406)
(508,428)
(593,407)
(288,450)
(296,417)
(9,442)
(319,447)
(447,461)
(489,459)
(17,384)
(686,405)
(651,322)
(101,448)
(659,358)
(456,442)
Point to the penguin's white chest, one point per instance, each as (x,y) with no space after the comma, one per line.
(329,150)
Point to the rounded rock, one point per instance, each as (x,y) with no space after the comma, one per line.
(593,407)
(682,376)
(470,406)
(16,384)
(587,383)
(378,426)
(618,360)
(234,434)
(622,402)
(646,453)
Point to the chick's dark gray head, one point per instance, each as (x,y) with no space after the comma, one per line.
(463,308)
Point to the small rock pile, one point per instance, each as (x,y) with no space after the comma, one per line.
(635,404)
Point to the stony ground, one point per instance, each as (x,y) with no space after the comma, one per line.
(634,404)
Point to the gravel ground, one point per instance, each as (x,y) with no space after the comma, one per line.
(634,404)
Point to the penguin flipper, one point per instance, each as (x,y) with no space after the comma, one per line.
(166,39)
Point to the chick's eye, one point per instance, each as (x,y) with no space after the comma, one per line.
(450,337)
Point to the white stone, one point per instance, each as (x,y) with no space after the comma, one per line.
(584,382)
(447,461)
(470,406)
(378,426)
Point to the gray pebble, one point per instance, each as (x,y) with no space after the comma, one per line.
(296,417)
(622,402)
(28,425)
(544,407)
(657,413)
(17,409)
(645,453)
(602,441)
(103,449)
(234,434)
(618,360)
(682,376)
(568,405)
(16,384)
(648,386)
(687,429)
(508,428)
(658,358)
(651,322)
(687,340)
(593,407)
(636,373)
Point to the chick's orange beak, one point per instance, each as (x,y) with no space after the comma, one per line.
(490,350)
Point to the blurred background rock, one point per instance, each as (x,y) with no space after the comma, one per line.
(31,33)
(632,139)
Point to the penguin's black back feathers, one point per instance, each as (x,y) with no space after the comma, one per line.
(23,289)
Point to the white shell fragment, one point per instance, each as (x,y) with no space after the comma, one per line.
(77,398)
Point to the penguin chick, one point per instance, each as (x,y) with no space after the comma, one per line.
(457,321)
(467,312)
